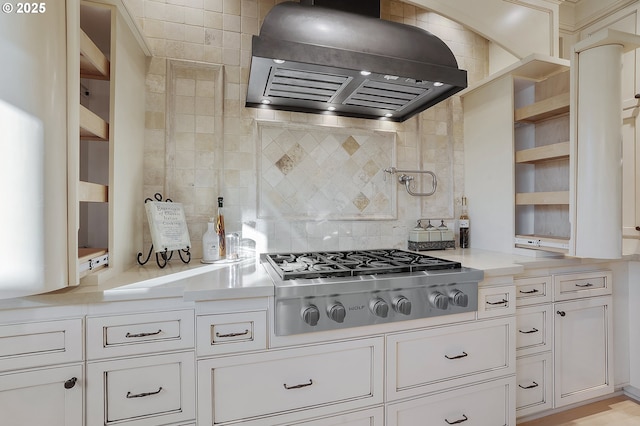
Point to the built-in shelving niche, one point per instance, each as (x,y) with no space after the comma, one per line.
(94,149)
(542,176)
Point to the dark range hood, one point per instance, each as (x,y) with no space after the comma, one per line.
(325,61)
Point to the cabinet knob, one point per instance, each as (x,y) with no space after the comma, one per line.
(561,313)
(70,383)
(637,228)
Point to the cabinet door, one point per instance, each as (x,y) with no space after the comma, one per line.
(583,350)
(42,397)
(630,174)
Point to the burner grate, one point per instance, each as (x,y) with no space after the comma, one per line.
(354,263)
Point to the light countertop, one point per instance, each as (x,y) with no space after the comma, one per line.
(248,279)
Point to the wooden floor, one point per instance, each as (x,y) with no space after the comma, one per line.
(617,411)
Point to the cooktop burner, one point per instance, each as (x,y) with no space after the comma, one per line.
(353,263)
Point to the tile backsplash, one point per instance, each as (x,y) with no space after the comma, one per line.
(308,172)
(203,143)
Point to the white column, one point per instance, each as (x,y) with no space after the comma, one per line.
(597,144)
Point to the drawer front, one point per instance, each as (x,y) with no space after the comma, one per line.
(228,333)
(431,360)
(534,331)
(372,417)
(583,284)
(136,334)
(40,343)
(489,403)
(531,291)
(303,383)
(143,391)
(496,301)
(534,384)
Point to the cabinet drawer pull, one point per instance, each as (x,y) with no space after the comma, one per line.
(502,302)
(533,330)
(129,335)
(584,285)
(303,385)
(232,334)
(70,383)
(534,385)
(143,394)
(464,354)
(535,290)
(455,422)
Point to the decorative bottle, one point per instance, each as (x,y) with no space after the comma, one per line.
(210,243)
(222,241)
(464,225)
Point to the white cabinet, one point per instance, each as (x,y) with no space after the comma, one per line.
(489,403)
(51,396)
(106,104)
(583,350)
(144,391)
(516,127)
(41,368)
(435,359)
(293,384)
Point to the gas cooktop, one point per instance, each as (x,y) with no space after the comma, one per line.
(352,263)
(330,290)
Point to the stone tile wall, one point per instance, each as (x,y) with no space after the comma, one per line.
(196,166)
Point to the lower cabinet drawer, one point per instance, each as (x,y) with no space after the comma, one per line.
(40,343)
(496,301)
(371,417)
(530,291)
(297,383)
(134,334)
(534,384)
(582,284)
(446,357)
(145,391)
(534,329)
(227,333)
(489,403)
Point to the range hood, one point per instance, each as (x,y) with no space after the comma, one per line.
(325,61)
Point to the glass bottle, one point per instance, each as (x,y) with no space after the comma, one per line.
(222,241)
(464,225)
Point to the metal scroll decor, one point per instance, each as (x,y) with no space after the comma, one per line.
(169,231)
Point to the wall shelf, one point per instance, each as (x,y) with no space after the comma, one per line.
(93,63)
(543,153)
(92,127)
(92,192)
(541,110)
(542,198)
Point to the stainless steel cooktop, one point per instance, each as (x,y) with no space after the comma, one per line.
(330,290)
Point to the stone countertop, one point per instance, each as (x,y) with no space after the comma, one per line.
(248,278)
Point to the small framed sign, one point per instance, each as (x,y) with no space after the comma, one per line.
(168,226)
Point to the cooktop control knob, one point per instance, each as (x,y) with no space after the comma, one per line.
(439,300)
(379,307)
(402,305)
(458,298)
(337,312)
(311,315)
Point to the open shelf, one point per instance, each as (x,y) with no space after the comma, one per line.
(542,198)
(93,63)
(541,110)
(92,192)
(92,127)
(543,153)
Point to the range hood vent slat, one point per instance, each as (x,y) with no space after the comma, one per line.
(323,51)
